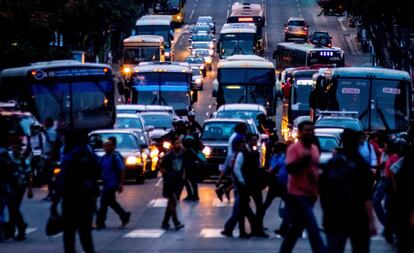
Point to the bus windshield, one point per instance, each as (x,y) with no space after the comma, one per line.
(300,94)
(89,101)
(389,107)
(251,94)
(140,54)
(164,79)
(161,30)
(177,99)
(259,76)
(231,44)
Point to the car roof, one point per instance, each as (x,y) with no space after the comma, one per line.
(155,113)
(214,120)
(242,107)
(296,19)
(112,131)
(329,131)
(143,107)
(127,115)
(368,72)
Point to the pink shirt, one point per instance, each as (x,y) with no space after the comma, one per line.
(392,158)
(304,183)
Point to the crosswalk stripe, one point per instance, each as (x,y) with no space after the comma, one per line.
(158,203)
(145,233)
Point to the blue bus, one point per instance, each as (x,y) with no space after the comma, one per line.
(78,96)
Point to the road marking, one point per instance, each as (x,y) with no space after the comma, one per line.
(211,233)
(145,233)
(30,230)
(224,203)
(341,21)
(192,13)
(159,182)
(158,203)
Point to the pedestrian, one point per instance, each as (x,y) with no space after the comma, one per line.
(5,178)
(76,186)
(172,171)
(50,147)
(248,162)
(194,126)
(241,209)
(240,131)
(302,160)
(113,170)
(191,165)
(345,190)
(366,149)
(20,180)
(404,203)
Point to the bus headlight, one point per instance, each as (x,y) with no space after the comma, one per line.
(133,160)
(207,151)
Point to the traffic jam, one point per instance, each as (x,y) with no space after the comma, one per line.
(210,104)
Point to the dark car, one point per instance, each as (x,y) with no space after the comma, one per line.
(157,123)
(129,121)
(201,27)
(342,122)
(320,38)
(134,147)
(215,137)
(197,61)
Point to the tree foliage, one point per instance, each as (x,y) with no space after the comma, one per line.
(29,26)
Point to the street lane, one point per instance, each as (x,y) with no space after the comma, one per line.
(203,222)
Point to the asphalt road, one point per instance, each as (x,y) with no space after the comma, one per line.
(203,222)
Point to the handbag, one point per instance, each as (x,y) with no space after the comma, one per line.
(54,225)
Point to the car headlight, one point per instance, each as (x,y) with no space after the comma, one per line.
(201,67)
(154,153)
(207,151)
(133,160)
(56,171)
(198,80)
(209,60)
(167,54)
(126,70)
(166,144)
(211,52)
(179,17)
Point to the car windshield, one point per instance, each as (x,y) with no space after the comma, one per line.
(201,28)
(123,140)
(201,37)
(328,143)
(201,45)
(137,55)
(126,111)
(239,114)
(339,123)
(205,20)
(158,121)
(202,52)
(127,122)
(219,131)
(194,60)
(296,23)
(196,72)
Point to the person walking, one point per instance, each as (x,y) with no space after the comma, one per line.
(20,180)
(77,187)
(172,171)
(248,162)
(302,159)
(6,170)
(345,193)
(192,159)
(51,138)
(113,170)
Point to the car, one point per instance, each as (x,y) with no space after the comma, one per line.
(293,130)
(207,20)
(129,121)
(197,61)
(197,78)
(202,45)
(320,38)
(136,109)
(201,27)
(157,124)
(133,145)
(340,120)
(296,27)
(201,36)
(328,143)
(205,53)
(215,136)
(240,111)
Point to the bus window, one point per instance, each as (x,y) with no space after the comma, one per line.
(300,94)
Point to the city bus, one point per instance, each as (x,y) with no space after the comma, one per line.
(175,8)
(141,48)
(298,54)
(248,79)
(161,25)
(163,83)
(78,96)
(236,38)
(382,97)
(248,13)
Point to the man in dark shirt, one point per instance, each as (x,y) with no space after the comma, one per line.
(113,168)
